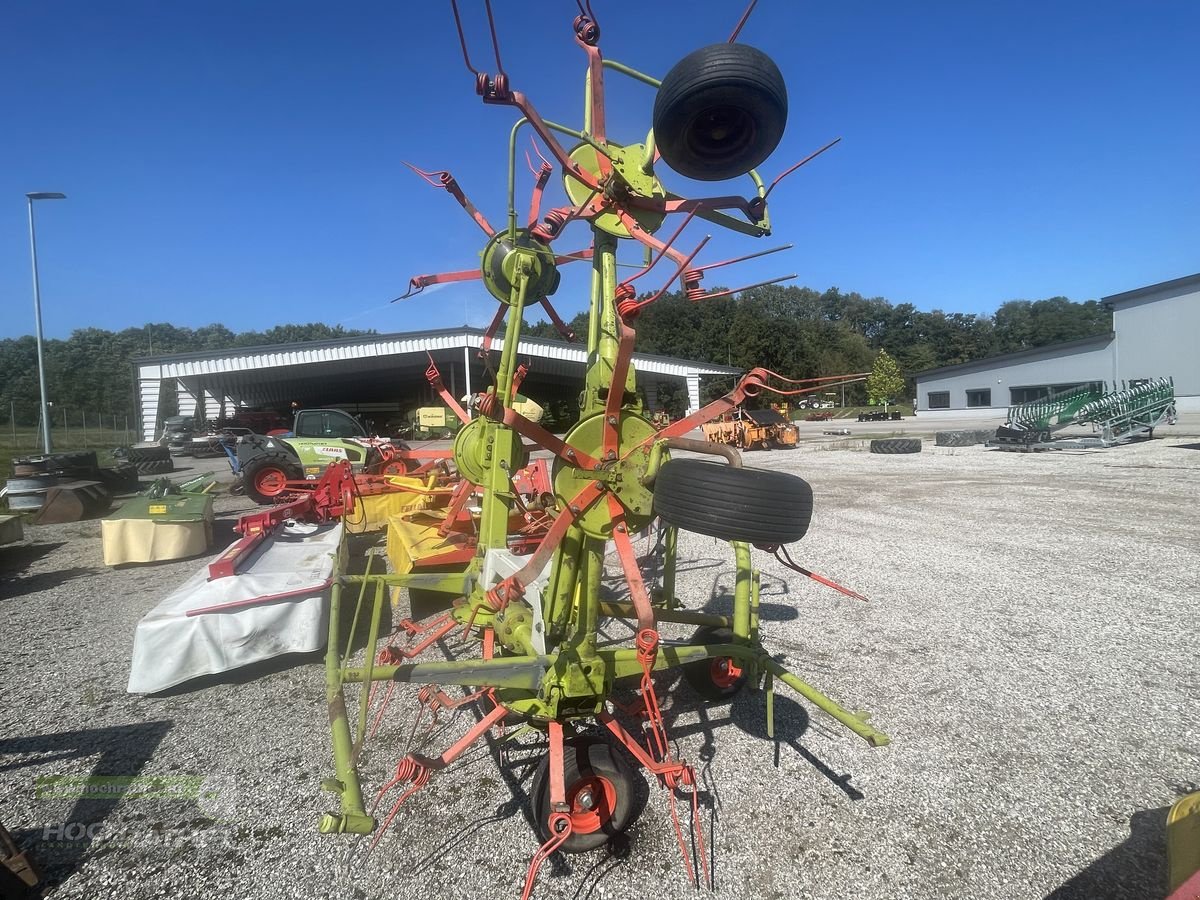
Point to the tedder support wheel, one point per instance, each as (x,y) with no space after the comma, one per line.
(896,445)
(714,679)
(265,477)
(600,792)
(720,112)
(758,506)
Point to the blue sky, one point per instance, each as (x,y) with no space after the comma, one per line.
(240,162)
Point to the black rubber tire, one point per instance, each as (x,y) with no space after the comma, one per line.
(154,466)
(272,459)
(753,505)
(700,675)
(147,454)
(84,460)
(585,758)
(120,479)
(965,438)
(952,439)
(714,93)
(896,445)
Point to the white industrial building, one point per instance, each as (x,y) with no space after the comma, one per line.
(1155,334)
(375,373)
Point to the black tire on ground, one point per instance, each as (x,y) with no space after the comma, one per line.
(965,438)
(896,445)
(593,774)
(146,454)
(120,479)
(154,466)
(953,439)
(753,505)
(714,679)
(264,476)
(77,459)
(720,111)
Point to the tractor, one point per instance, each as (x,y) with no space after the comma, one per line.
(266,463)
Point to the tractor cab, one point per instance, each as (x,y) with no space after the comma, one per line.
(327,424)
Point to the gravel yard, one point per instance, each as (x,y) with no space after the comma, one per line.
(1029,646)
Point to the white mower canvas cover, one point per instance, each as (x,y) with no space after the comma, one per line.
(294,566)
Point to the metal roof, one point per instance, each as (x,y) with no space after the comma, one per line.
(1097,340)
(1187,281)
(369,347)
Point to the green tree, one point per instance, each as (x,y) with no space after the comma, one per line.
(885,382)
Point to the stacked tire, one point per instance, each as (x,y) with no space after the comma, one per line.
(150,460)
(78,464)
(895,446)
(120,479)
(966,438)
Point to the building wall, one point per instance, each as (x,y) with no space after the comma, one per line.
(1091,362)
(1157,337)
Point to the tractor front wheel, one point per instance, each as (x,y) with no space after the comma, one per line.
(265,478)
(599,791)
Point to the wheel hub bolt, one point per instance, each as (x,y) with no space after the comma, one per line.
(586,800)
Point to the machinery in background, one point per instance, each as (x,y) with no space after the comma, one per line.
(752,429)
(1116,417)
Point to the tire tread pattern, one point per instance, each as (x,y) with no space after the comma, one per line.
(896,446)
(154,466)
(964,438)
(275,458)
(738,70)
(759,506)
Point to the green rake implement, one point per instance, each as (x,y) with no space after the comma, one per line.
(535,659)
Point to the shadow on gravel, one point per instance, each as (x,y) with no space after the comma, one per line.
(748,713)
(721,604)
(1184,446)
(223,531)
(1135,868)
(123,752)
(12,587)
(18,559)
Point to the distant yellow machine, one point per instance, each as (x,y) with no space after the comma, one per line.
(753,429)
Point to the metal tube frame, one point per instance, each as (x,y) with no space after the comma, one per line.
(573,664)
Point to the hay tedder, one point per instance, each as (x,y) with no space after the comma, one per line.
(530,608)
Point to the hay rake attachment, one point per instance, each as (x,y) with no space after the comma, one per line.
(533,617)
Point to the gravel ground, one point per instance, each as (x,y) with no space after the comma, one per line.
(1029,647)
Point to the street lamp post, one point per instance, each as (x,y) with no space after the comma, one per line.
(37,312)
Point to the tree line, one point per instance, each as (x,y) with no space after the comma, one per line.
(93,369)
(803,333)
(796,331)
